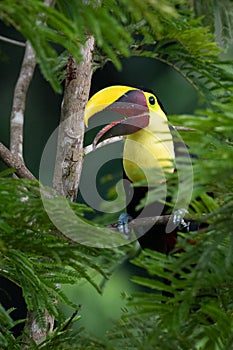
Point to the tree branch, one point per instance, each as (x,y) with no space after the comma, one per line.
(156,220)
(71,131)
(183,128)
(12,41)
(90,148)
(16,163)
(160,220)
(19,101)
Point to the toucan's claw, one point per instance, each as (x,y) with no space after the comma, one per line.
(123,226)
(178,220)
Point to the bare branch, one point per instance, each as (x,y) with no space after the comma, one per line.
(159,220)
(16,163)
(19,101)
(12,41)
(148,221)
(35,331)
(90,148)
(71,131)
(183,128)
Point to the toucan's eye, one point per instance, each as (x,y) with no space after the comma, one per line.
(152,100)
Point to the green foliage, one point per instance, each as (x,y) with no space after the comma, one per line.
(199,315)
(190,300)
(190,49)
(68,24)
(36,256)
(154,29)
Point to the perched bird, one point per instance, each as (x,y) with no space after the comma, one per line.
(149,154)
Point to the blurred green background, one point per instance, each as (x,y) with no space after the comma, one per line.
(42,117)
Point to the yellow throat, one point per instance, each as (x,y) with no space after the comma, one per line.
(149,153)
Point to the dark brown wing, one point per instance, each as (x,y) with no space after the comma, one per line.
(156,237)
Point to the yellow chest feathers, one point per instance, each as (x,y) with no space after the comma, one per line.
(149,153)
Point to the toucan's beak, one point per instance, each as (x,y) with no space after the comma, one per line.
(122,127)
(129,103)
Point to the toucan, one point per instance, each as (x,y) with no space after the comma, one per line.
(149,153)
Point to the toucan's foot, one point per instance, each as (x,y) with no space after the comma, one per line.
(178,220)
(122,224)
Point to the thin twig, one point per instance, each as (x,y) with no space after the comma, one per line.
(90,148)
(12,41)
(15,163)
(183,128)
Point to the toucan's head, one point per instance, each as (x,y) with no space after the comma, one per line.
(134,107)
(148,143)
